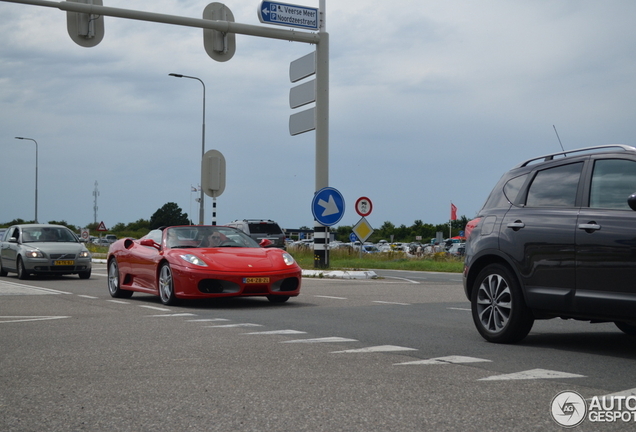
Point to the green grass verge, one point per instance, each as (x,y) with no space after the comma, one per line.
(344,259)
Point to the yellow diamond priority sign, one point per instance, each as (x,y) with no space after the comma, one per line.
(363,230)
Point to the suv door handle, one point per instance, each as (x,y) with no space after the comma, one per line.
(516,225)
(590,226)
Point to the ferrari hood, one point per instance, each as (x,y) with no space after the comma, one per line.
(240,258)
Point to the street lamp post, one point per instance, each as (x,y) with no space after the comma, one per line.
(36,174)
(201,214)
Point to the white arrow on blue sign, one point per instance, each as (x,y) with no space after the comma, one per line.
(328,206)
(288,15)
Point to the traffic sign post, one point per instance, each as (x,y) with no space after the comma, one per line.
(328,207)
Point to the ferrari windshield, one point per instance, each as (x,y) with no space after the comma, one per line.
(207,237)
(48,234)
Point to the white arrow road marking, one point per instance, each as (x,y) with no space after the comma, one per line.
(10,319)
(380,348)
(444,360)
(330,207)
(532,374)
(277,332)
(321,340)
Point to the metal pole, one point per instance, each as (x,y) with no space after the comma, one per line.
(36,174)
(201,207)
(321,233)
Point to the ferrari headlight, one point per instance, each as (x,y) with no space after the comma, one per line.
(34,254)
(289,260)
(193,259)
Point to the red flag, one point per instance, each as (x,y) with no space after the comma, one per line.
(453,212)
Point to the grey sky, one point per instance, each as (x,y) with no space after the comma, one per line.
(431,102)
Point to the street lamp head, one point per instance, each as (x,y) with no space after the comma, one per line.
(176,75)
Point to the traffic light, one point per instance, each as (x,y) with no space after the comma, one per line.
(85,29)
(220,46)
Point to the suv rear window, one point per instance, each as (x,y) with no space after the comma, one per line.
(264,228)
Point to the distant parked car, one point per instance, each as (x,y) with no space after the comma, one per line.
(43,249)
(260,229)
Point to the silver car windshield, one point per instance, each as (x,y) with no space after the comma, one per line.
(48,234)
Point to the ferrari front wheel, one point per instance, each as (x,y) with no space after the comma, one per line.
(166,285)
(277,298)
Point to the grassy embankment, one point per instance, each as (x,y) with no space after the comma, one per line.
(343,259)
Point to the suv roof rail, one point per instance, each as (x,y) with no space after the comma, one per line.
(550,157)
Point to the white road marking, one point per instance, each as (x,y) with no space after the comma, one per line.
(12,319)
(380,348)
(208,320)
(235,325)
(405,279)
(87,296)
(12,288)
(277,332)
(331,297)
(155,308)
(532,374)
(321,340)
(625,393)
(118,302)
(393,303)
(99,274)
(171,315)
(444,360)
(461,309)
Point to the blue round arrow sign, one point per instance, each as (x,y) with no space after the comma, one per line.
(328,206)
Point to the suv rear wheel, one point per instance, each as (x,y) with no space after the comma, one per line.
(499,310)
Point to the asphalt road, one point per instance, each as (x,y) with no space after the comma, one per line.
(395,354)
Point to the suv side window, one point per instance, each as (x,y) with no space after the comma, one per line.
(512,188)
(613,181)
(555,187)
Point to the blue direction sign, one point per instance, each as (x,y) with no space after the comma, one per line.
(328,206)
(288,15)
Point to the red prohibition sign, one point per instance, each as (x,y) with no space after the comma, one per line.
(364,206)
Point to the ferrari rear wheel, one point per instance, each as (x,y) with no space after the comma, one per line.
(113,281)
(277,298)
(166,285)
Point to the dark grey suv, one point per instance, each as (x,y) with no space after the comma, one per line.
(556,238)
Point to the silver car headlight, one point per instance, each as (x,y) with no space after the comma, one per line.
(84,254)
(289,260)
(34,254)
(193,259)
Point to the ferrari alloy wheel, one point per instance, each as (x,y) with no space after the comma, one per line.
(166,285)
(22,273)
(499,311)
(113,281)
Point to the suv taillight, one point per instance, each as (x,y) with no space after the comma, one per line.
(470,226)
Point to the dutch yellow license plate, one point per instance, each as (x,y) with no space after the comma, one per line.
(64,263)
(256,280)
